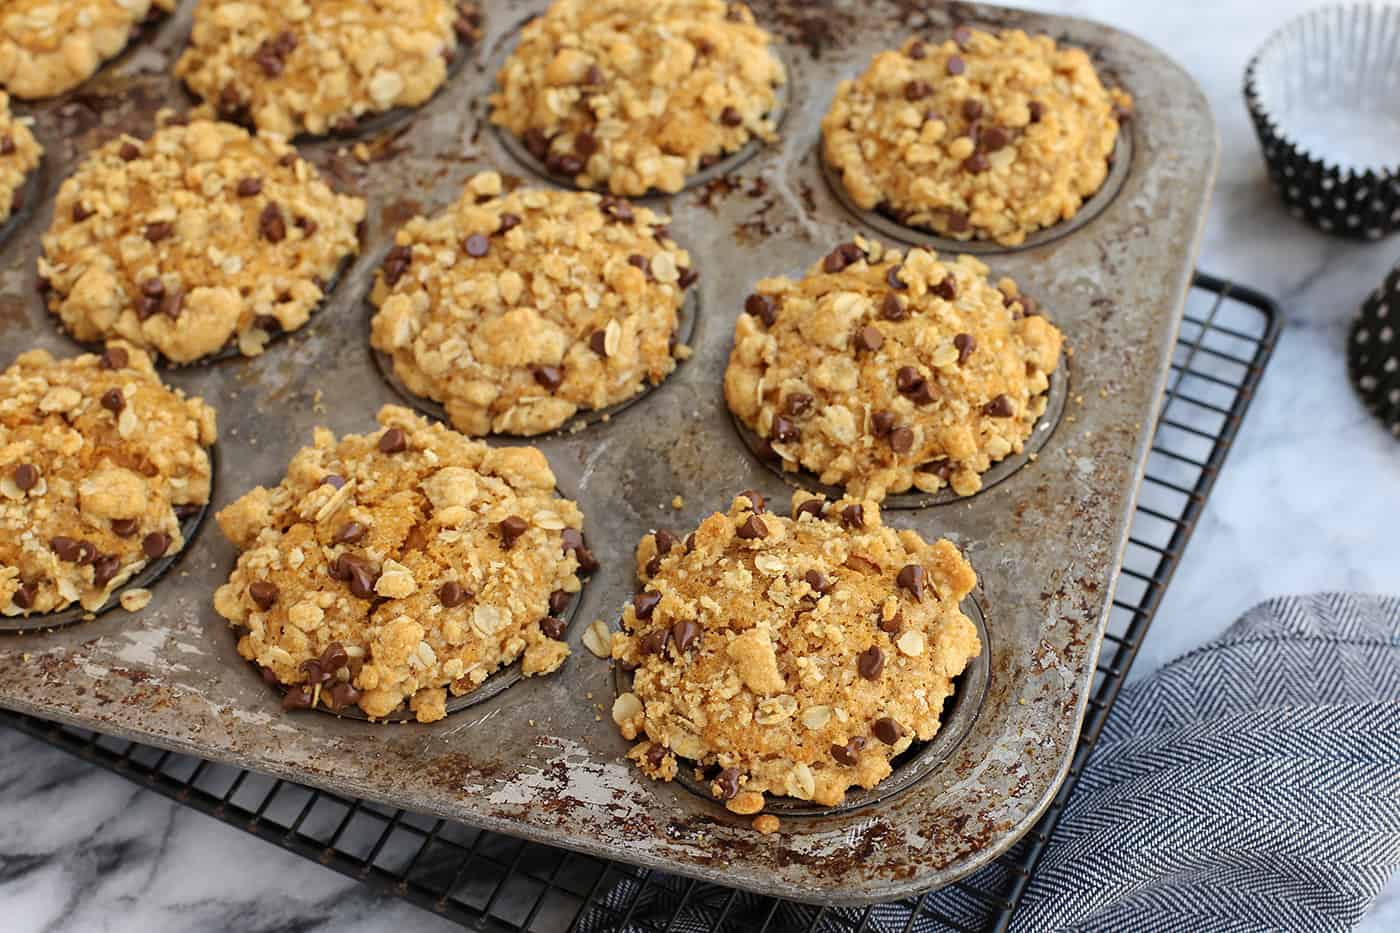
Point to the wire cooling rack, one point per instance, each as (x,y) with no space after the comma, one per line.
(491,882)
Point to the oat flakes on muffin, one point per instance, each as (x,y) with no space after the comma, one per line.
(51,46)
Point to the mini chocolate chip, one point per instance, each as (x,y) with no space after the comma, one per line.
(684,634)
(892,309)
(946,289)
(115,358)
(184,510)
(752,529)
(784,431)
(917,90)
(271,225)
(917,51)
(452,594)
(333,480)
(308,227)
(902,440)
(813,507)
(797,404)
(551,627)
(728,783)
(881,423)
(999,407)
(892,626)
(974,131)
(853,516)
(173,302)
(536,143)
(315,673)
(841,257)
(341,695)
(995,138)
(617,209)
(971,109)
(129,152)
(26,476)
(80,213)
(68,549)
(508,222)
(956,65)
(907,380)
(269,677)
(762,307)
(975,163)
(562,164)
(640,262)
(887,730)
(551,377)
(869,338)
(731,117)
(655,642)
(893,279)
(911,578)
(598,343)
(585,144)
(7,144)
(687,277)
(962,36)
(558,600)
(104,570)
(942,468)
(957,222)
(587,563)
(125,527)
(263,594)
(113,400)
(357,573)
(349,533)
(819,584)
(23,597)
(871,663)
(512,527)
(656,753)
(250,187)
(334,657)
(756,500)
(849,754)
(1037,110)
(1029,306)
(477,246)
(298,697)
(593,76)
(396,262)
(965,344)
(644,603)
(153,288)
(160,230)
(155,544)
(393,441)
(666,542)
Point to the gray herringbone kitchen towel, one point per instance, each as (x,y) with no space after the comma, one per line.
(1253,784)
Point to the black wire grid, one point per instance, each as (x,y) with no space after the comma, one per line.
(491,882)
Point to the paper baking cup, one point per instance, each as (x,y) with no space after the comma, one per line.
(1322,93)
(1373,352)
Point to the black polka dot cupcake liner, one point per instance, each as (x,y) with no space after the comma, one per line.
(1322,95)
(1373,352)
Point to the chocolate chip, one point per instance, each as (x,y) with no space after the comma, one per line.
(762,307)
(644,603)
(512,527)
(26,476)
(813,507)
(298,697)
(551,377)
(999,407)
(971,109)
(7,144)
(918,51)
(113,400)
(68,549)
(962,36)
(562,164)
(911,578)
(333,480)
(841,257)
(871,663)
(798,404)
(1029,306)
(942,468)
(357,573)
(573,541)
(1037,110)
(452,594)
(917,90)
(585,144)
(655,642)
(639,262)
(125,527)
(666,542)
(946,289)
(393,441)
(558,600)
(115,358)
(593,76)
(598,343)
(617,209)
(975,163)
(23,597)
(315,673)
(508,222)
(849,754)
(105,570)
(687,277)
(731,117)
(892,309)
(477,246)
(334,657)
(728,783)
(869,338)
(272,54)
(957,222)
(250,187)
(907,380)
(956,65)
(684,634)
(536,143)
(341,695)
(893,279)
(819,584)
(263,594)
(155,544)
(185,510)
(269,677)
(587,563)
(853,516)
(784,431)
(902,440)
(881,423)
(554,628)
(160,230)
(80,213)
(656,753)
(396,263)
(349,533)
(172,303)
(887,730)
(752,529)
(892,626)
(995,138)
(129,152)
(756,501)
(271,225)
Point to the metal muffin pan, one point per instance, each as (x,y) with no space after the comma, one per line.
(542,759)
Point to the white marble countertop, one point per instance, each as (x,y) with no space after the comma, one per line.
(1309,492)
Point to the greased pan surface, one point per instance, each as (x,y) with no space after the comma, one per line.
(543,759)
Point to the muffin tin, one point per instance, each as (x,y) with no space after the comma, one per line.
(542,759)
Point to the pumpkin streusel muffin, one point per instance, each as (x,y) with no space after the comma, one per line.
(983,136)
(633,96)
(51,46)
(798,656)
(400,566)
(200,237)
(880,371)
(518,309)
(318,67)
(99,465)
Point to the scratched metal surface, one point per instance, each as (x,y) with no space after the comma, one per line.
(537,760)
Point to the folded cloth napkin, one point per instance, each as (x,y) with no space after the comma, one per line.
(1253,784)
